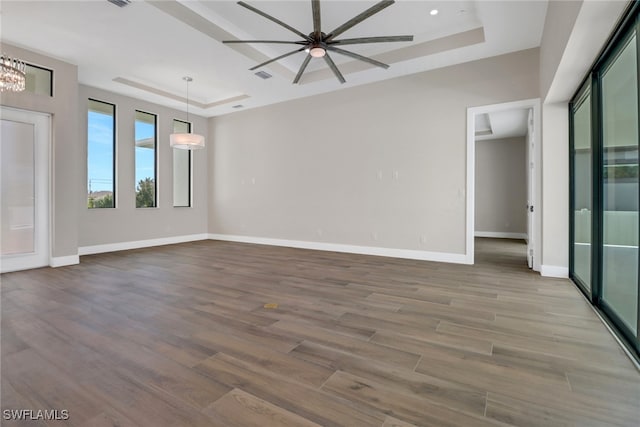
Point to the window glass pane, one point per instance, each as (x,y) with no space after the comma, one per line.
(145,130)
(582,191)
(38,80)
(100,155)
(181,169)
(620,185)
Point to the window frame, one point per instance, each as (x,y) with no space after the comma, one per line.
(114,166)
(628,26)
(51,81)
(579,99)
(190,166)
(155,159)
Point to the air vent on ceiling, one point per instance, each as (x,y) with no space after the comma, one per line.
(238,106)
(263,75)
(120,3)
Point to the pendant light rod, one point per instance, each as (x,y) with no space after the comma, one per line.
(188,80)
(190,140)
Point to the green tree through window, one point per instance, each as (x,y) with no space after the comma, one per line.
(145,193)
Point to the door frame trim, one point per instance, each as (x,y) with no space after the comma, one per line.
(48,187)
(534,104)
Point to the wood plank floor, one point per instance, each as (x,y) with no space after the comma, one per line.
(180,336)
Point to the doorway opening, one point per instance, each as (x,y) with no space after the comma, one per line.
(503,182)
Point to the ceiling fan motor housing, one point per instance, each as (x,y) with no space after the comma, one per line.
(317,43)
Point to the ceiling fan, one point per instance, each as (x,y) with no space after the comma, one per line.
(317,44)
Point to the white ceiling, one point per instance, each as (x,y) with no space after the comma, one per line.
(144,49)
(502,124)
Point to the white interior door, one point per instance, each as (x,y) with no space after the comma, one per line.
(531,205)
(24,189)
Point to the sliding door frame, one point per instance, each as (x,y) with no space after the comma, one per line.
(574,105)
(593,83)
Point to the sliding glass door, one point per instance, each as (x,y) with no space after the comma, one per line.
(619,178)
(582,158)
(605,182)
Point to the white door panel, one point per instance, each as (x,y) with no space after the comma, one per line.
(24,189)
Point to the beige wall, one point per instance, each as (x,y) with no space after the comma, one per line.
(558,25)
(501,186)
(126,223)
(574,33)
(555,187)
(376,165)
(65,145)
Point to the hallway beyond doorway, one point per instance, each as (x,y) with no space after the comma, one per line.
(510,254)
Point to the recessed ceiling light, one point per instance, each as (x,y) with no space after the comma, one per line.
(433,12)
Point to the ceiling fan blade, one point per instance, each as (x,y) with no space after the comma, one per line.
(265,41)
(275,59)
(276,20)
(359,18)
(302,68)
(333,67)
(315,7)
(360,57)
(382,39)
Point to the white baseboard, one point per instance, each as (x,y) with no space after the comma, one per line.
(61,261)
(554,271)
(123,246)
(501,235)
(337,247)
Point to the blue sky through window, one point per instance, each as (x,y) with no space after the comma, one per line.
(145,156)
(100,151)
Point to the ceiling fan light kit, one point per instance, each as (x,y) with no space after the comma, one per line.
(317,44)
(318,51)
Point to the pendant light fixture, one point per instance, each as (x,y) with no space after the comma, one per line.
(187,141)
(12,74)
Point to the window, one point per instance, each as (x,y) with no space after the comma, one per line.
(181,169)
(146,159)
(619,181)
(38,80)
(605,183)
(101,148)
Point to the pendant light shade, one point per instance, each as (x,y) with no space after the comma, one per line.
(186,141)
